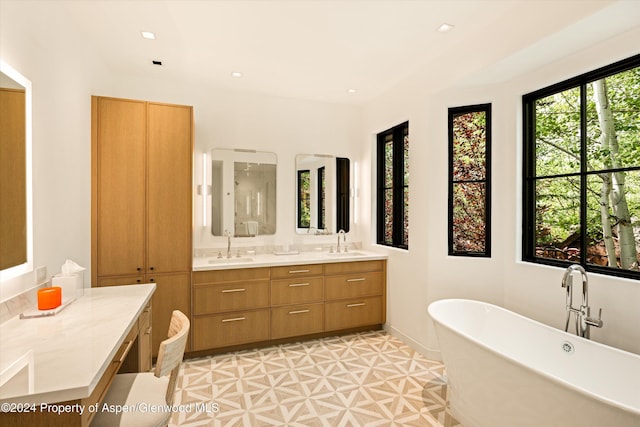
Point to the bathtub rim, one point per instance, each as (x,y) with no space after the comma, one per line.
(597,396)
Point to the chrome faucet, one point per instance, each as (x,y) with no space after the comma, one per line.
(228,243)
(344,239)
(583,319)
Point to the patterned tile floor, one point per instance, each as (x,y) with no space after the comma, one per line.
(366,379)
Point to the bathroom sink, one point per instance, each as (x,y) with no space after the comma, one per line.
(344,254)
(230,260)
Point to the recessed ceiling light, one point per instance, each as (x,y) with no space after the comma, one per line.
(148,35)
(236,74)
(351,90)
(444,28)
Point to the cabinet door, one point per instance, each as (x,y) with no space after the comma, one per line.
(120,176)
(169,188)
(173,292)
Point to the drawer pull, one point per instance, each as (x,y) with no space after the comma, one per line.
(359,279)
(295,285)
(299,311)
(298,271)
(234,319)
(126,351)
(148,331)
(360,304)
(227,291)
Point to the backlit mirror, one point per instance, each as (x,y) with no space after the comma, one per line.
(243,192)
(15,173)
(322,194)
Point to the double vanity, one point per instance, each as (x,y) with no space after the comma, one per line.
(268,299)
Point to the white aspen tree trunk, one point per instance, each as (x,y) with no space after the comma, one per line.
(605,192)
(609,140)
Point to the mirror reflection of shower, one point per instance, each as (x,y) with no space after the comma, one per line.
(243,197)
(254,183)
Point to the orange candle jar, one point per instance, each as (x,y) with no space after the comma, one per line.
(49,298)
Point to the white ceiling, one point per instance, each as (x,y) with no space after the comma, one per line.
(315,49)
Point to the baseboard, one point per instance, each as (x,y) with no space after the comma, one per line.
(431,354)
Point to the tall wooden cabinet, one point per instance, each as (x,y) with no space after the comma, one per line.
(141,201)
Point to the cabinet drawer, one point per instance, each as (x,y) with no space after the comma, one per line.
(297,291)
(222,330)
(296,271)
(294,320)
(120,280)
(353,313)
(353,267)
(233,275)
(144,340)
(354,285)
(209,299)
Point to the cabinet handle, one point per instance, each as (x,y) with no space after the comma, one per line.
(235,319)
(139,280)
(152,268)
(148,331)
(359,279)
(360,304)
(226,291)
(295,285)
(299,311)
(298,271)
(152,280)
(138,269)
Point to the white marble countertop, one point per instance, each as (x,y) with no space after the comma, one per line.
(272,260)
(71,350)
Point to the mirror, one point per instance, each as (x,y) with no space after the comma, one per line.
(322,194)
(15,173)
(243,192)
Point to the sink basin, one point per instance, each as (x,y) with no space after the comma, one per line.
(345,254)
(230,260)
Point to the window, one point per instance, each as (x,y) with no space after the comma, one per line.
(393,187)
(470,180)
(582,171)
(304,199)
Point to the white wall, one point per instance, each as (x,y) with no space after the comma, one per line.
(235,119)
(425,273)
(38,40)
(64,73)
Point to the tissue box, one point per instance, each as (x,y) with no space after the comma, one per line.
(72,285)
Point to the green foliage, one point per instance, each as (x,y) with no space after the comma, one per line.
(558,154)
(469,166)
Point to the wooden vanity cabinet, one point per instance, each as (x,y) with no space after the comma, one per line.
(355,294)
(142,154)
(297,300)
(257,305)
(230,307)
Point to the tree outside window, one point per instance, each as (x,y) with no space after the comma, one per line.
(469,180)
(582,171)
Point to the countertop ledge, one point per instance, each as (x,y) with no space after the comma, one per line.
(271,260)
(72,349)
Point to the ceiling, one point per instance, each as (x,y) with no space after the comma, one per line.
(318,49)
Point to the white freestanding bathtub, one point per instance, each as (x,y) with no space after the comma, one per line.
(504,369)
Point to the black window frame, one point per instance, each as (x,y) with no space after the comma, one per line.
(452,113)
(322,198)
(397,134)
(529,168)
